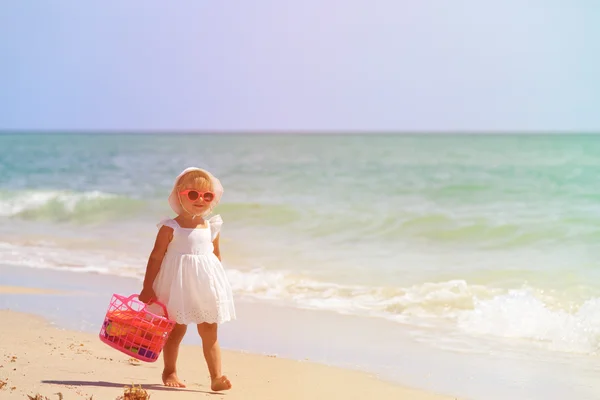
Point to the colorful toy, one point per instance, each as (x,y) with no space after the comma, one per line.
(130,328)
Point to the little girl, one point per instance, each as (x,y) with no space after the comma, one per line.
(184,272)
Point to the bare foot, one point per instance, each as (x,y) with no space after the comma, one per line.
(172,380)
(221,383)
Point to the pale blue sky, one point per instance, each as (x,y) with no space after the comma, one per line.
(359,65)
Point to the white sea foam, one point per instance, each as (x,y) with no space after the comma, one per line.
(46,256)
(470,309)
(55,205)
(521,314)
(18,202)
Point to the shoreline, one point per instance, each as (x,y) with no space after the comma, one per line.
(25,290)
(322,337)
(386,350)
(83,366)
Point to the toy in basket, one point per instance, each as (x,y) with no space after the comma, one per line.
(132,329)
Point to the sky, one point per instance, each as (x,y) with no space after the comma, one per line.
(304,65)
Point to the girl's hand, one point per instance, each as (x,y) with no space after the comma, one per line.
(147,296)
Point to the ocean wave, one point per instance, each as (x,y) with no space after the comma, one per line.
(521,314)
(271,214)
(549,319)
(448,230)
(46,255)
(477,310)
(55,205)
(484,228)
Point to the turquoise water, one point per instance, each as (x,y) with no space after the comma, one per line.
(471,237)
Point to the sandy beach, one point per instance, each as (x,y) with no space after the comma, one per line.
(37,357)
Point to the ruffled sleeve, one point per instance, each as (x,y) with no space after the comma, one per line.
(216,222)
(167,222)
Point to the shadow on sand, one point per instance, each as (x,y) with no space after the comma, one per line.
(123,385)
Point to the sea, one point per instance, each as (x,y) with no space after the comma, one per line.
(471,242)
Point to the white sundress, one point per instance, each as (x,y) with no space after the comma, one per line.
(192,283)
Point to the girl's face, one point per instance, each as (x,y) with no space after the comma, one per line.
(196,199)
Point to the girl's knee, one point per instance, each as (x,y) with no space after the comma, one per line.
(178,332)
(207,330)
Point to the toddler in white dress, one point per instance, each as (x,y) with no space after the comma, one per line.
(184,272)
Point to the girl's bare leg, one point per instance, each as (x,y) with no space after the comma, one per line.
(212,354)
(170,353)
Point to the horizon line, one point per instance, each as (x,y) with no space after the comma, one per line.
(314,132)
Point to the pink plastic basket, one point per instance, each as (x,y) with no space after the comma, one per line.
(130,328)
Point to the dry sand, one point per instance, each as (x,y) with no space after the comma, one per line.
(36,357)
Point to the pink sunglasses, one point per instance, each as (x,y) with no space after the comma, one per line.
(194,195)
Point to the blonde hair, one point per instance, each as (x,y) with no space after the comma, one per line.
(199,179)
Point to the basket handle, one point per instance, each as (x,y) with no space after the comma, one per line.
(152,302)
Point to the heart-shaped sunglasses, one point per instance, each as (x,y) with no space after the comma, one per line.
(194,195)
